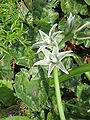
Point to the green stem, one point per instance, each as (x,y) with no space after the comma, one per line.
(58,94)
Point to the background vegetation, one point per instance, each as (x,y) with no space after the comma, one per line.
(25,91)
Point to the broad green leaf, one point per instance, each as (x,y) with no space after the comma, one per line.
(87,1)
(37,7)
(47,19)
(6,96)
(32,93)
(74,7)
(20,55)
(5,68)
(68,5)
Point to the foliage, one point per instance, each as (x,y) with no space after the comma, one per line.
(20,22)
(87,1)
(75,6)
(32,93)
(17,118)
(6,96)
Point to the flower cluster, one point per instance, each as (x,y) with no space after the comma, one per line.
(48,41)
(52,55)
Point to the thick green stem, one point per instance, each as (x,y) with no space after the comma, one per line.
(58,94)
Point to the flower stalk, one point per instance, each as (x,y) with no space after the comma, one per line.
(58,94)
(53,58)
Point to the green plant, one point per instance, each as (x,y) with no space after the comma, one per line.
(27,89)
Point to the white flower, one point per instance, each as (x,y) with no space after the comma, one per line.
(70,19)
(53,59)
(47,41)
(70,23)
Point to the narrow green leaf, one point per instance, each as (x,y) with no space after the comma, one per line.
(67,38)
(80,62)
(79,70)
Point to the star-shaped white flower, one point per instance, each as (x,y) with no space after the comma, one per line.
(70,23)
(47,41)
(53,59)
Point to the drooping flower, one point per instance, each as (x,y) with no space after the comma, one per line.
(53,59)
(47,40)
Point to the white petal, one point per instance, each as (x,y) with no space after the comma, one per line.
(70,19)
(47,53)
(56,33)
(40,49)
(52,30)
(38,44)
(44,36)
(51,67)
(61,55)
(42,62)
(55,49)
(62,68)
(70,15)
